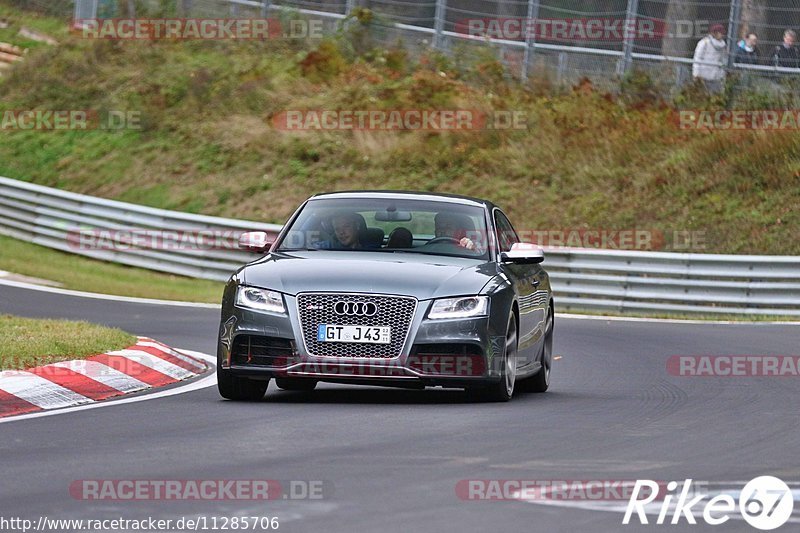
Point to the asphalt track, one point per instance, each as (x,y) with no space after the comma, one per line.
(393,457)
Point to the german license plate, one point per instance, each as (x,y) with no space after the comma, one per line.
(365,334)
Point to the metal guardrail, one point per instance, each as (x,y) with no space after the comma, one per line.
(55,218)
(583,279)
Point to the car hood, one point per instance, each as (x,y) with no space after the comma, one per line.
(418,275)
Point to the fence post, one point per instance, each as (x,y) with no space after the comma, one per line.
(530,37)
(349,6)
(185,7)
(562,68)
(629,36)
(733,30)
(265,7)
(438,23)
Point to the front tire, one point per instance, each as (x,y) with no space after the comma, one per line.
(239,389)
(503,390)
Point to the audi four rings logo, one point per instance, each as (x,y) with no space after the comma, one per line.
(355,308)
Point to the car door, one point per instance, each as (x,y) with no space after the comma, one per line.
(532,299)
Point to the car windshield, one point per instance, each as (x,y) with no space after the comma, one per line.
(389,225)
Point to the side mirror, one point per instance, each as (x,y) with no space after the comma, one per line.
(256,241)
(523,253)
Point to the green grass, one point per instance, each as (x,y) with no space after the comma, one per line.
(84,274)
(587,161)
(27,342)
(53,27)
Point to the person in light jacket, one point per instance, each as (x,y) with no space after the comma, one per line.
(709,59)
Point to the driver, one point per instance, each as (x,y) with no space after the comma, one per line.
(454,226)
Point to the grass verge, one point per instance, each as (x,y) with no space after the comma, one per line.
(208,143)
(27,342)
(84,274)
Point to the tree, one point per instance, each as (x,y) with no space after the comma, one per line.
(680,38)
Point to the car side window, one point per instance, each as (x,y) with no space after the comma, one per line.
(506,235)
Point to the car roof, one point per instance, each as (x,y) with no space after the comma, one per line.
(417,195)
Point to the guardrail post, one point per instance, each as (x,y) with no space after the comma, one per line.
(530,38)
(679,77)
(562,67)
(85,9)
(629,37)
(438,23)
(733,30)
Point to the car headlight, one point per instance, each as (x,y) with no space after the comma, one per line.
(260,299)
(464,307)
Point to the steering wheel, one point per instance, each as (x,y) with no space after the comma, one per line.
(449,240)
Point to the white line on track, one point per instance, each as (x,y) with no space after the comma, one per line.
(208,381)
(98,296)
(675,320)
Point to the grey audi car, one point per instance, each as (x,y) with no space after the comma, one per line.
(388,288)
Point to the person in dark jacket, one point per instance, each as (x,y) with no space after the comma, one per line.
(787,54)
(747,51)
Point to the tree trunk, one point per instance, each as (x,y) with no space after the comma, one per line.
(185,8)
(681,35)
(754,18)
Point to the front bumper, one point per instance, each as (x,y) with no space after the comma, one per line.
(454,353)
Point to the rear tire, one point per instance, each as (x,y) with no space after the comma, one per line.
(296,384)
(540,381)
(240,389)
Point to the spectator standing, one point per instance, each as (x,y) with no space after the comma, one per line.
(709,59)
(787,54)
(747,51)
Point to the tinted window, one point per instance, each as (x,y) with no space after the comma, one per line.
(389,225)
(506,235)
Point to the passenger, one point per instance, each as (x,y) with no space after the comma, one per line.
(346,229)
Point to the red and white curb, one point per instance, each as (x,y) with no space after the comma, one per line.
(144,365)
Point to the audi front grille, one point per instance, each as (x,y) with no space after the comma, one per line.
(349,309)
